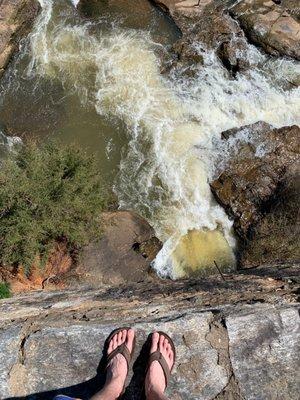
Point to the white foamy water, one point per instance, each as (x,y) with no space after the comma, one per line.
(173,127)
(75,2)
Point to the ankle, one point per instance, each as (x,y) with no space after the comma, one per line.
(113,387)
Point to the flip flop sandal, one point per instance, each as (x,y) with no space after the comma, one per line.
(122,349)
(157,356)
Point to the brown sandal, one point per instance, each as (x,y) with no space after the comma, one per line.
(157,356)
(122,349)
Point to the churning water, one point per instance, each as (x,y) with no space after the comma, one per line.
(172,126)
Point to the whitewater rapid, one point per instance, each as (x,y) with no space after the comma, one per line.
(173,126)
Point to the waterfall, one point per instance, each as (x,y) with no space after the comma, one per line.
(173,127)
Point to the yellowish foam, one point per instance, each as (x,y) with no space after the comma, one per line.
(197,251)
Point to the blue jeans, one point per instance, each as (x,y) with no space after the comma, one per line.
(61,397)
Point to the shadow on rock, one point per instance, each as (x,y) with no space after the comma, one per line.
(85,390)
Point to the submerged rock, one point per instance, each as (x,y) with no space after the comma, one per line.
(16,19)
(52,342)
(259,189)
(273,25)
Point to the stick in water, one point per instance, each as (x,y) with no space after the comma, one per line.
(220,272)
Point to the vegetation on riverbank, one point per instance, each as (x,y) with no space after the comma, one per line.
(4,291)
(47,194)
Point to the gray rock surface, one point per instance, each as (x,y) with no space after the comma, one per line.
(52,342)
(265,353)
(9,345)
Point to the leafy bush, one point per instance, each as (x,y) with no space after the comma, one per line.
(4,291)
(47,194)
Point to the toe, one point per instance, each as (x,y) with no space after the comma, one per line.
(115,342)
(119,338)
(154,342)
(168,349)
(110,347)
(161,343)
(166,343)
(129,337)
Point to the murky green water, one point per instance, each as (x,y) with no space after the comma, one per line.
(39,107)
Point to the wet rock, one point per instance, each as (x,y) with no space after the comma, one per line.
(52,342)
(273,25)
(207,25)
(259,189)
(16,19)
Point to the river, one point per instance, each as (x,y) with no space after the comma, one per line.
(157,138)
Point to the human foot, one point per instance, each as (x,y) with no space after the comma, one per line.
(161,362)
(119,352)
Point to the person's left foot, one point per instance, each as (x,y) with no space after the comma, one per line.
(117,368)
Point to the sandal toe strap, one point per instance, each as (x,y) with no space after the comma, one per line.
(122,349)
(157,356)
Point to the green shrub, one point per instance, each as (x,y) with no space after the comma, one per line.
(4,291)
(48,194)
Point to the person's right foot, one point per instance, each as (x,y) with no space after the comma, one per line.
(117,369)
(155,378)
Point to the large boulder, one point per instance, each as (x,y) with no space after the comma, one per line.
(273,25)
(124,253)
(259,189)
(16,19)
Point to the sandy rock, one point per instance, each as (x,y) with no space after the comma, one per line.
(16,19)
(273,25)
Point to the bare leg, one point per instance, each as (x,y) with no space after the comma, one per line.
(117,369)
(155,383)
